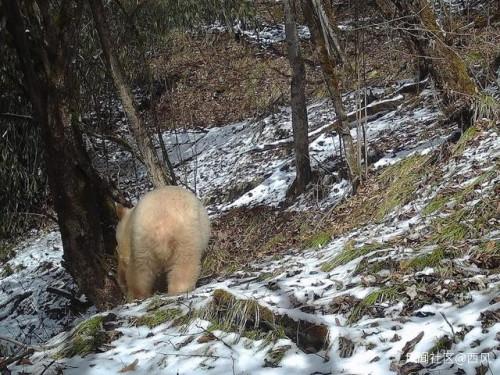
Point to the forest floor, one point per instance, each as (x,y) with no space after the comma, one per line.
(402,277)
(407,268)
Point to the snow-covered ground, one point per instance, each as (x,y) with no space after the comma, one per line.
(250,160)
(29,311)
(256,158)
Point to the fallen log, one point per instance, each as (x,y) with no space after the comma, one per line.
(371,112)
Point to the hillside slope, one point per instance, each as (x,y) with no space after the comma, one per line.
(410,284)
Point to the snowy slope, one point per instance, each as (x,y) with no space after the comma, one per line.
(298,284)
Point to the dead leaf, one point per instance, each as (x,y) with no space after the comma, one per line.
(206,338)
(131,367)
(411,291)
(410,345)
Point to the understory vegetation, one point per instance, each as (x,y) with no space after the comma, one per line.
(387,249)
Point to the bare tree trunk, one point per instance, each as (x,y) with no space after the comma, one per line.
(319,26)
(84,206)
(298,100)
(158,173)
(419,27)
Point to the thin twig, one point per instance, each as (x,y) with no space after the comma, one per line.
(4,363)
(449,324)
(195,355)
(13,341)
(48,366)
(15,116)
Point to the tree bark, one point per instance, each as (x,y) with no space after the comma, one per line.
(158,173)
(319,27)
(84,206)
(298,100)
(419,27)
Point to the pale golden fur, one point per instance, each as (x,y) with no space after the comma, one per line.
(167,232)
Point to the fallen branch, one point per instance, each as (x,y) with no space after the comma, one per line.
(371,112)
(13,341)
(6,362)
(68,295)
(117,140)
(196,355)
(451,327)
(410,345)
(413,87)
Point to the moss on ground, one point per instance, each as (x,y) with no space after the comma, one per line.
(486,106)
(277,239)
(468,222)
(157,317)
(156,302)
(87,338)
(460,196)
(232,315)
(264,276)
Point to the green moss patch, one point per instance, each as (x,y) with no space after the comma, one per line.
(244,316)
(157,301)
(459,196)
(274,242)
(467,222)
(87,338)
(264,276)
(486,106)
(450,228)
(157,317)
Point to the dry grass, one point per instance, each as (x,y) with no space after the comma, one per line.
(217,80)
(244,234)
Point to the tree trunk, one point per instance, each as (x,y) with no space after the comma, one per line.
(420,29)
(298,100)
(158,173)
(84,206)
(319,26)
